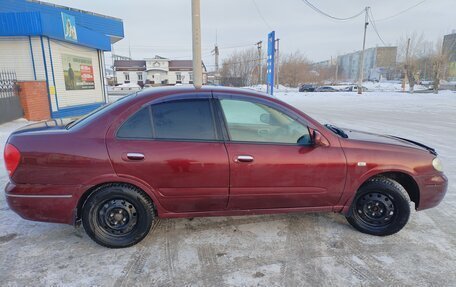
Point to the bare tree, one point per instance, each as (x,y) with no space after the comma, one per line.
(295,69)
(419,48)
(240,68)
(440,60)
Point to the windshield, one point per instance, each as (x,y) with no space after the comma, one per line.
(87,117)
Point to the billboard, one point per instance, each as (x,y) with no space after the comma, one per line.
(77,72)
(270,63)
(69,27)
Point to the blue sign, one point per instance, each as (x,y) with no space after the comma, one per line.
(270,63)
(69,27)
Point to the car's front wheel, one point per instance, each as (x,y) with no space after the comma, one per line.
(117,215)
(381,207)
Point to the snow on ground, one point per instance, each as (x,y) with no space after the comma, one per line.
(270,250)
(392,86)
(387,86)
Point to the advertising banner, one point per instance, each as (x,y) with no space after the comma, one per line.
(69,27)
(78,72)
(270,63)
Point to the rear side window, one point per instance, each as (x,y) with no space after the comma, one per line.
(137,126)
(184,119)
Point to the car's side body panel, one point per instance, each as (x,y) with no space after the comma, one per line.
(186,176)
(285,176)
(366,159)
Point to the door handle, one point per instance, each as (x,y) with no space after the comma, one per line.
(135,156)
(244,158)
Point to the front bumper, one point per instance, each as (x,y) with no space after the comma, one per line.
(47,203)
(432,190)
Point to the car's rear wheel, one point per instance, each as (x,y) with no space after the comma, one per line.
(117,215)
(381,207)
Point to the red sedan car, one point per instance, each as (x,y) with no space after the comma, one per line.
(185,152)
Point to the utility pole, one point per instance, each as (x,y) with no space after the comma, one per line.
(215,52)
(277,65)
(361,63)
(260,68)
(196,39)
(405,79)
(337,70)
(129,50)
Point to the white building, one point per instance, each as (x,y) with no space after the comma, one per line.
(156,71)
(163,71)
(130,71)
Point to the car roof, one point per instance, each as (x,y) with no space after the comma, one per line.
(171,90)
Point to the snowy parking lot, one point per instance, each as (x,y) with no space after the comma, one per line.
(271,250)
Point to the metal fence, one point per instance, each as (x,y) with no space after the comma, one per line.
(10,106)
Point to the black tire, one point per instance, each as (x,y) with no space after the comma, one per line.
(117,215)
(381,207)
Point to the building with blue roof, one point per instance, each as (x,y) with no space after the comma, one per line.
(61,47)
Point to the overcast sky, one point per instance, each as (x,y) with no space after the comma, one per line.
(164,27)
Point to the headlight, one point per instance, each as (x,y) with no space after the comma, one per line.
(437,164)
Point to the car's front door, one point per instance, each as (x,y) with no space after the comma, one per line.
(175,148)
(273,163)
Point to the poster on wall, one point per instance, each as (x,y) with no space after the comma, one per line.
(78,72)
(69,27)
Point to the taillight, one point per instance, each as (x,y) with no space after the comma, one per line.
(12,158)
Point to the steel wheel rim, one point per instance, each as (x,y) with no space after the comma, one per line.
(375,209)
(117,217)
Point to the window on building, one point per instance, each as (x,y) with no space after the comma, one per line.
(140,76)
(127,77)
(178,77)
(190,77)
(184,119)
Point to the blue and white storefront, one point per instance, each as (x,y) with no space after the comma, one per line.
(63,47)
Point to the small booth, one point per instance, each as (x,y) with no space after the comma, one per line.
(59,51)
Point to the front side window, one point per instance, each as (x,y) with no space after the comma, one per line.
(184,120)
(255,122)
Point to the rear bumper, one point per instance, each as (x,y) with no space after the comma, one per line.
(432,190)
(47,203)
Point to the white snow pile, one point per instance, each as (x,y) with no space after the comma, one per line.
(263,88)
(390,86)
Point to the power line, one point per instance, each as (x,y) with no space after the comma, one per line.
(316,9)
(238,46)
(239,62)
(401,12)
(261,15)
(374,26)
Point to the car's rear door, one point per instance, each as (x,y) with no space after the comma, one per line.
(268,167)
(175,147)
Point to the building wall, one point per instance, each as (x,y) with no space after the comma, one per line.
(67,98)
(386,56)
(40,58)
(375,61)
(186,77)
(449,49)
(133,75)
(34,100)
(15,55)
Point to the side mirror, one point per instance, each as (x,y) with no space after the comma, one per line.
(265,118)
(319,139)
